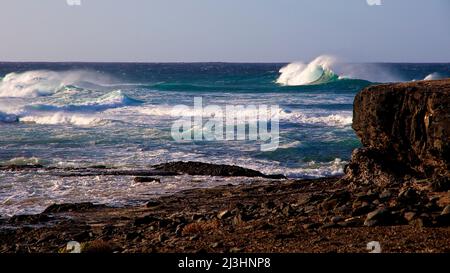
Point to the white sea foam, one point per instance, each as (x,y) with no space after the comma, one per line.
(62,118)
(22,161)
(339,119)
(113,99)
(43,82)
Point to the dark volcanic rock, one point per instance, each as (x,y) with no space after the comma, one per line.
(30,219)
(146,179)
(405,130)
(20,167)
(58,208)
(199,168)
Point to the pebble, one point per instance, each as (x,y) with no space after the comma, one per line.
(224,214)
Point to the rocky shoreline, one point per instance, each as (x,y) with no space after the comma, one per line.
(319,215)
(395,191)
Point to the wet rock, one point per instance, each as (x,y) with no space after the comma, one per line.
(146,179)
(20,167)
(199,168)
(153,203)
(29,219)
(76,207)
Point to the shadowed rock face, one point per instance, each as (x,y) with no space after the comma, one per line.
(405,130)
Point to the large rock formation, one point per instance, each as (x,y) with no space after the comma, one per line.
(405,131)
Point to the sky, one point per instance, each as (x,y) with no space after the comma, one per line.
(224,30)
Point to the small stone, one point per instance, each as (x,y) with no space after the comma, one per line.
(329,225)
(216,245)
(288,211)
(266,226)
(145,220)
(417,222)
(235,250)
(224,214)
(239,219)
(409,216)
(82,236)
(446,210)
(153,203)
(179,230)
(371,223)
(337,219)
(381,216)
(131,236)
(162,238)
(352,222)
(329,204)
(363,209)
(444,218)
(311,226)
(268,205)
(408,196)
(386,194)
(194,237)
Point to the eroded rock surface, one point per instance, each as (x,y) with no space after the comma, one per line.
(405,131)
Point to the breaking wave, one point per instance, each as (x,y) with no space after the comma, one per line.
(433,76)
(337,119)
(62,118)
(113,99)
(38,83)
(316,72)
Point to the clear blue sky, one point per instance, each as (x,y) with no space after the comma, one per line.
(224,30)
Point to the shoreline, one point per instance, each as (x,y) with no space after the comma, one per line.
(267,215)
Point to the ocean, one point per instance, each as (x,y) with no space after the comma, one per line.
(120,115)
